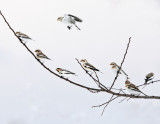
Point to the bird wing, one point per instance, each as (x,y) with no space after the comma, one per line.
(24,36)
(149,75)
(133,87)
(67,72)
(88,65)
(43,56)
(75,18)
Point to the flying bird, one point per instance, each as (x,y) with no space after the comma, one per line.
(65,73)
(22,36)
(87,66)
(40,55)
(131,88)
(70,20)
(115,69)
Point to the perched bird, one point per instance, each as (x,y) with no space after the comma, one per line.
(65,73)
(87,66)
(115,69)
(70,20)
(149,77)
(22,36)
(40,55)
(131,88)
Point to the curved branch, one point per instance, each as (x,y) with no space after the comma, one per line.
(101,88)
(82,86)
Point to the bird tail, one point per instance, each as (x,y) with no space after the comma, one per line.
(101,72)
(77,27)
(49,58)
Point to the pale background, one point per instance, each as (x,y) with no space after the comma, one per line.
(31,95)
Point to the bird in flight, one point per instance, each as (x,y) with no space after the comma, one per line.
(70,20)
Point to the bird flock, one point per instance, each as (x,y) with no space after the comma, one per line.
(70,20)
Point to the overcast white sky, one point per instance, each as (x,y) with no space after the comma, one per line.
(31,95)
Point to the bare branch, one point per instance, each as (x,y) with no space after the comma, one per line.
(103,103)
(101,88)
(82,86)
(121,64)
(145,84)
(111,99)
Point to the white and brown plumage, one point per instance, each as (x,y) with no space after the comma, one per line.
(70,20)
(41,55)
(23,36)
(87,66)
(115,69)
(131,88)
(65,73)
(149,77)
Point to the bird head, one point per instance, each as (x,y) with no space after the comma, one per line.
(127,82)
(60,19)
(18,33)
(58,69)
(83,61)
(38,51)
(113,64)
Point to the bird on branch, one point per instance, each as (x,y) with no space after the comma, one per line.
(88,67)
(65,73)
(115,69)
(149,77)
(23,36)
(131,88)
(40,55)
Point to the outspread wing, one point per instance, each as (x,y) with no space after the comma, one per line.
(75,18)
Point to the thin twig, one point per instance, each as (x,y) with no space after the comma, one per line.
(121,64)
(108,103)
(123,99)
(148,83)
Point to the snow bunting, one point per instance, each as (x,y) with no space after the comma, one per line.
(23,37)
(40,55)
(87,66)
(149,77)
(131,88)
(70,20)
(65,73)
(115,69)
